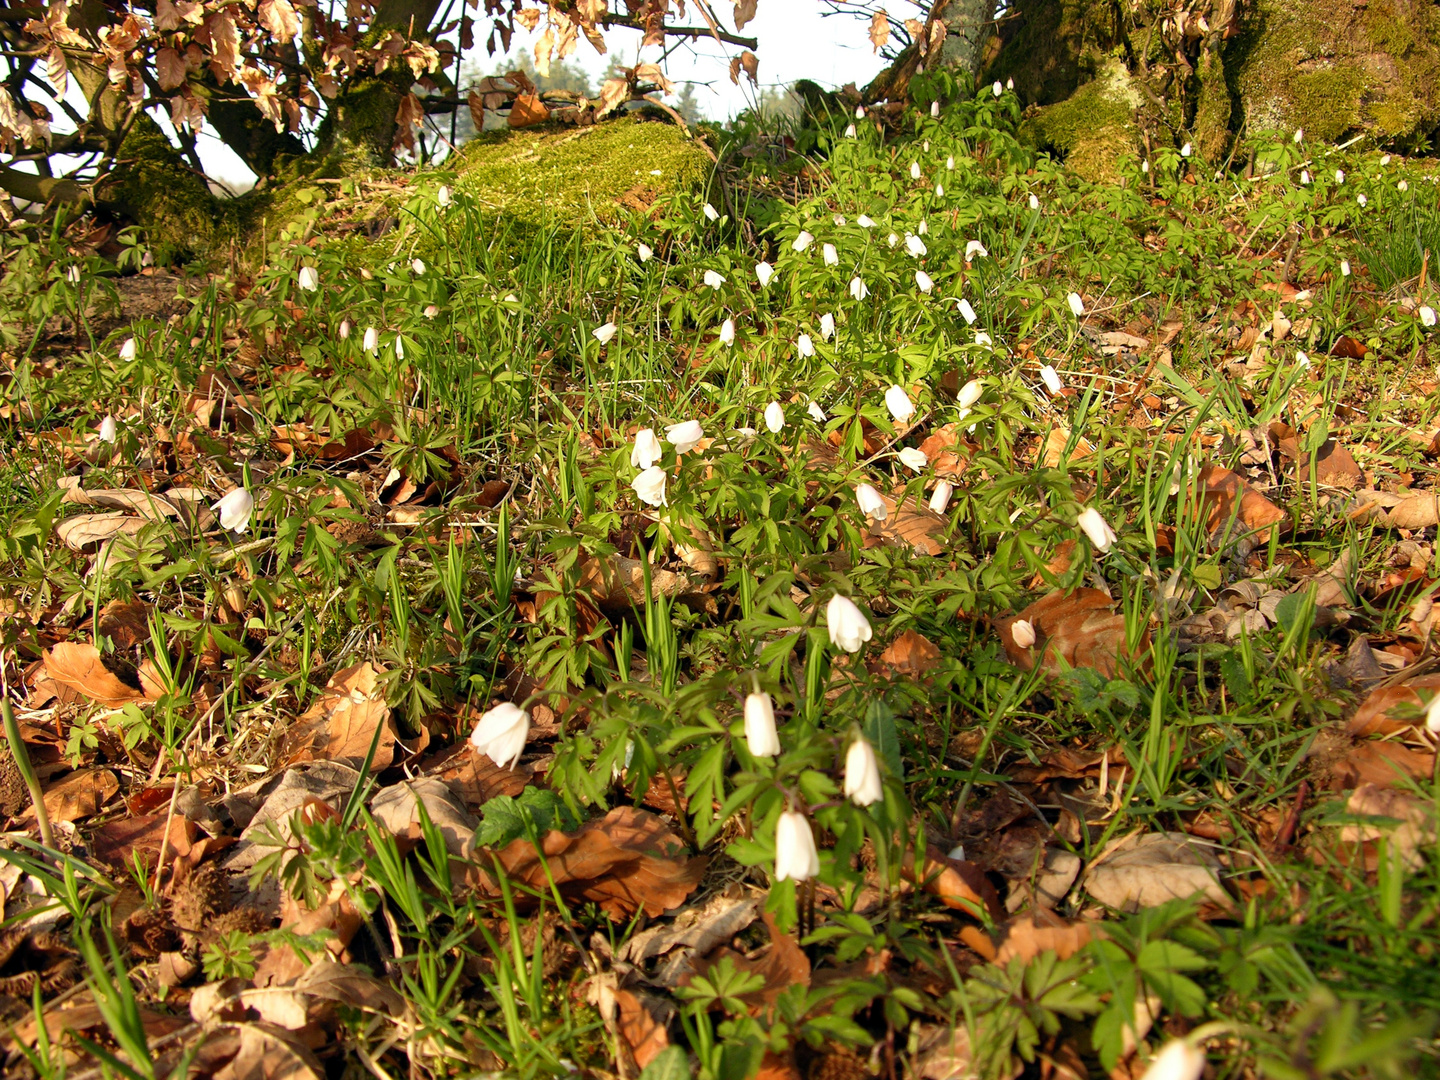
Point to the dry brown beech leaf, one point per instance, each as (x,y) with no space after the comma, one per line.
(618,582)
(1147,869)
(955,883)
(340,725)
(782,965)
(1078,629)
(1406,820)
(911,655)
(476,779)
(697,928)
(1222,489)
(627,861)
(80,794)
(398,808)
(915,527)
(1374,715)
(271,1053)
(80,667)
(1382,763)
(1041,931)
(85,531)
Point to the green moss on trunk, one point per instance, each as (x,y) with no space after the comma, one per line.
(1212,109)
(1095,127)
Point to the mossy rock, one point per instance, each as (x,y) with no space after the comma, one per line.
(1338,67)
(553,173)
(1094,127)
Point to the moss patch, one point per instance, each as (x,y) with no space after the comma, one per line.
(550,173)
(1095,127)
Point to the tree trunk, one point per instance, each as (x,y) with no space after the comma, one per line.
(969,28)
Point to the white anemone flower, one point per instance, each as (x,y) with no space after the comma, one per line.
(650,486)
(1427,315)
(1051,378)
(309,278)
(892,239)
(839,220)
(1177,1060)
(235,510)
(859,112)
(1034,201)
(997,89)
(858,289)
(1304,177)
(763,273)
(914,170)
(72,275)
(1022,632)
(774,417)
(1384,159)
(128,349)
(974,249)
(816,413)
(827,326)
(870,502)
(418,265)
(913,458)
(914,245)
(967,312)
(1361,199)
(923,281)
(760,734)
(1339,176)
(399,347)
(1302,359)
(1010,84)
(940,497)
(832,257)
(795,856)
(803,241)
(1298,137)
(1096,529)
(1077,306)
(950,163)
(923,228)
(982,338)
(865,221)
(645,252)
(603,334)
(970,393)
(714,279)
(804,346)
(862,774)
(1432,716)
(1344,267)
(1185,150)
(684,436)
(934,110)
(850,131)
(431,310)
(899,404)
(711,214)
(727,332)
(344,330)
(500,734)
(846,624)
(939,191)
(372,339)
(1402,186)
(647,449)
(443,196)
(107,430)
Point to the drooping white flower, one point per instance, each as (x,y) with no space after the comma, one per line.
(914,170)
(1384,159)
(344,331)
(1403,185)
(1432,716)
(923,228)
(727,332)
(804,346)
(148,259)
(967,312)
(1145,166)
(107,430)
(235,509)
(1022,631)
(645,251)
(950,163)
(940,498)
(500,734)
(763,273)
(827,326)
(418,265)
(72,275)
(893,239)
(309,278)
(923,281)
(974,249)
(1095,528)
(1339,176)
(982,338)
(1298,137)
(1427,315)
(858,289)
(839,220)
(399,348)
(1077,306)
(846,624)
(832,257)
(649,485)
(970,393)
(1177,1060)
(816,412)
(647,449)
(803,241)
(795,856)
(366,274)
(1051,378)
(1010,84)
(939,191)
(1034,201)
(603,334)
(684,436)
(1304,177)
(997,89)
(372,339)
(865,221)
(760,734)
(871,504)
(431,310)
(850,131)
(1344,267)
(1361,199)
(899,403)
(774,417)
(1185,150)
(914,245)
(862,774)
(934,110)
(859,112)
(443,196)
(714,279)
(1301,359)
(913,457)
(127,349)
(711,214)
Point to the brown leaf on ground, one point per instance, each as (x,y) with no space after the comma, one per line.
(627,861)
(944,1052)
(910,656)
(341,724)
(398,808)
(947,451)
(126,624)
(955,883)
(88,531)
(1146,869)
(80,1014)
(1407,821)
(783,964)
(1059,564)
(1055,443)
(1067,763)
(912,527)
(1334,465)
(336,916)
(476,779)
(116,840)
(641,1020)
(1381,763)
(619,583)
(1225,493)
(1040,931)
(696,928)
(81,668)
(1376,713)
(1078,629)
(1404,509)
(271,1053)
(80,794)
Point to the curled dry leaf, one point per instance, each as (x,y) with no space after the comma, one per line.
(914,527)
(336,916)
(1079,629)
(619,583)
(1379,713)
(398,808)
(1147,869)
(1408,822)
(86,532)
(80,794)
(955,883)
(270,1053)
(528,111)
(1404,509)
(698,929)
(80,667)
(341,725)
(947,453)
(1225,495)
(782,965)
(627,861)
(476,779)
(1381,763)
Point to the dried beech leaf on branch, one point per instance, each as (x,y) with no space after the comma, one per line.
(341,724)
(627,861)
(81,668)
(879,29)
(1079,629)
(528,111)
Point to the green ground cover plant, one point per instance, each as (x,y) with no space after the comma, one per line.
(893,608)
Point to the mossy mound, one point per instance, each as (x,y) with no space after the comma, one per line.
(1094,127)
(1336,67)
(563,173)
